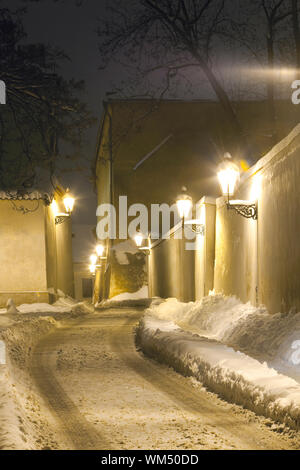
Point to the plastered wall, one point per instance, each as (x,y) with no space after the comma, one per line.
(22,252)
(259,261)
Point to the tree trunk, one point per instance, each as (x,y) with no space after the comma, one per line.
(271,84)
(240,144)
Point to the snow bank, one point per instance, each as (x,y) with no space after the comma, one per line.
(233,375)
(17,425)
(142,293)
(63,305)
(126,299)
(121,249)
(271,338)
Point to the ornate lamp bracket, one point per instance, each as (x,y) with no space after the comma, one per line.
(244,208)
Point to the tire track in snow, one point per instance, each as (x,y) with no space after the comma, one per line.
(236,425)
(73,426)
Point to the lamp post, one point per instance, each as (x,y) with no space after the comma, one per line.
(228,176)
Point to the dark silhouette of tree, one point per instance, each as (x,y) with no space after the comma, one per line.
(275,13)
(42,110)
(172,35)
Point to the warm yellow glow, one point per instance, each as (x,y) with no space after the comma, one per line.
(92,268)
(184,205)
(100,250)
(228,176)
(138,239)
(256,188)
(93,259)
(54,207)
(68,202)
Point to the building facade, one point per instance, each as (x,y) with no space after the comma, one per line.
(35,250)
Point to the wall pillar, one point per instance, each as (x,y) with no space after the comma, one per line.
(205,247)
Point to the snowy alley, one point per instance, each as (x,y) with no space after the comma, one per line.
(76,381)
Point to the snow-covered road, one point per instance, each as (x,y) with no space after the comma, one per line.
(97,392)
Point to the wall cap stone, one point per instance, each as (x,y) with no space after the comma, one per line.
(266,159)
(206,200)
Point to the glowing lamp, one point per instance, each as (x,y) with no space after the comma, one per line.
(100,250)
(228,175)
(138,239)
(93,259)
(68,201)
(184,205)
(92,268)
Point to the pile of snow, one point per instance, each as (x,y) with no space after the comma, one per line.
(271,338)
(20,404)
(11,307)
(142,293)
(121,249)
(2,353)
(233,375)
(128,299)
(17,405)
(11,435)
(63,305)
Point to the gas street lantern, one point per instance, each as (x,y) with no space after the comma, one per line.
(100,250)
(138,238)
(93,259)
(229,176)
(184,204)
(92,268)
(69,202)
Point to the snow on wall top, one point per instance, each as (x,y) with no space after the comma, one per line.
(29,195)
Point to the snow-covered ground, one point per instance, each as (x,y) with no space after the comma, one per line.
(142,293)
(24,418)
(84,385)
(237,350)
(128,299)
(63,305)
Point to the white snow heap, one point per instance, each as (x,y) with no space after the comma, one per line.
(142,293)
(10,307)
(242,326)
(235,349)
(233,375)
(123,248)
(2,353)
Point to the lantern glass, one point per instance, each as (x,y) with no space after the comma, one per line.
(68,203)
(138,239)
(92,268)
(228,175)
(184,205)
(100,250)
(93,259)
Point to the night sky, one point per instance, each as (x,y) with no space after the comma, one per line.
(74,30)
